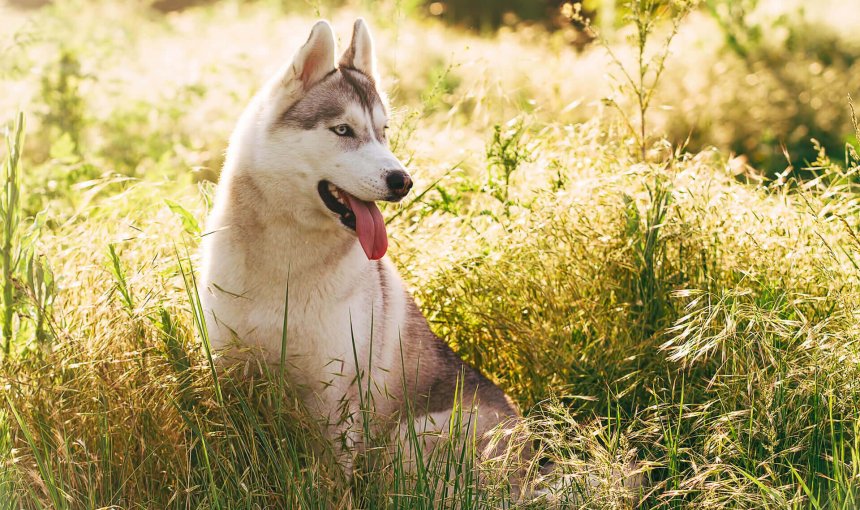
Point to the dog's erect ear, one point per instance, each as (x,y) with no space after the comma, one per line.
(316,58)
(359,55)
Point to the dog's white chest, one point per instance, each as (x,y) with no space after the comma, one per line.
(325,338)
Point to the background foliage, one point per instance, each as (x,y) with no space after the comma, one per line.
(677,300)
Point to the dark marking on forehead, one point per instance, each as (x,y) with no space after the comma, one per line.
(363,87)
(328,99)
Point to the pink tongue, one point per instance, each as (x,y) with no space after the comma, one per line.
(369,226)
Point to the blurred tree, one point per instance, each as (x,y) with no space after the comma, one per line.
(29,4)
(486,15)
(805,70)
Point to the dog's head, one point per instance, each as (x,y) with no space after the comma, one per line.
(315,139)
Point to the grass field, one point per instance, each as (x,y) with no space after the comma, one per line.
(680,299)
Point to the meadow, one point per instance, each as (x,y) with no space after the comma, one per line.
(660,264)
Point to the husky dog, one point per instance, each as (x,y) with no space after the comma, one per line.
(295,226)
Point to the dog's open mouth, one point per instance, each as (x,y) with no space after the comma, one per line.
(361,216)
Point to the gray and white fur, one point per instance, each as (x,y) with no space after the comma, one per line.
(270,225)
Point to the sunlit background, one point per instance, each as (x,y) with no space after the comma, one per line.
(754,78)
(640,219)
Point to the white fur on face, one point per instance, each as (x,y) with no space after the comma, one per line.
(360,165)
(285,141)
(297,149)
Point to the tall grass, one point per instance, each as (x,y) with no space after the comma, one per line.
(10,212)
(662,324)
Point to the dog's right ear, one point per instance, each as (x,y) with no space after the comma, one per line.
(315,59)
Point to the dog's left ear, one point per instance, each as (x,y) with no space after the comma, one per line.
(359,55)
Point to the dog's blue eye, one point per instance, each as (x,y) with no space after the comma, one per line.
(343,130)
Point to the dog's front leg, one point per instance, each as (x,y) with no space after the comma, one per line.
(344,431)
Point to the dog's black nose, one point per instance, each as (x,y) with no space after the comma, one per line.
(399,182)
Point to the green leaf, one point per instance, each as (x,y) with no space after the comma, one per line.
(63,149)
(189,222)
